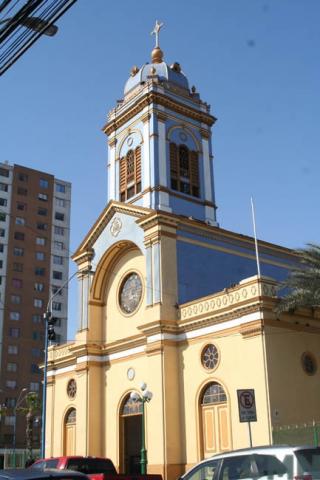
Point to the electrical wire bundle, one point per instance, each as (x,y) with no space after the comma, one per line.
(22,22)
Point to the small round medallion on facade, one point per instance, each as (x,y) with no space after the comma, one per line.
(72,388)
(210,357)
(130,293)
(309,363)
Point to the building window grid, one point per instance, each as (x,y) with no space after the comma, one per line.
(17,283)
(42,211)
(4,172)
(14,332)
(58,245)
(18,251)
(43,183)
(58,230)
(39,287)
(60,202)
(61,188)
(21,206)
(40,241)
(17,267)
(23,177)
(12,367)
(12,384)
(16,299)
(14,316)
(13,349)
(57,275)
(57,260)
(9,420)
(43,197)
(38,302)
(36,318)
(57,306)
(34,386)
(40,256)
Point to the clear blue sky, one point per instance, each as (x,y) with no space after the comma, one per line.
(255,61)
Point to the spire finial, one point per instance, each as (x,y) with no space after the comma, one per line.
(156,31)
(157,53)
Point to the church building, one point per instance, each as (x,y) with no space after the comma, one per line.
(175,326)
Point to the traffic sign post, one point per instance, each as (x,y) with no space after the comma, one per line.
(247,408)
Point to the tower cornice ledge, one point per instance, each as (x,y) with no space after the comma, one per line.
(119,119)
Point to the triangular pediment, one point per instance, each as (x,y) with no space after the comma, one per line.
(111,224)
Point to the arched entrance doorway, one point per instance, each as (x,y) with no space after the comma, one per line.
(69,447)
(130,441)
(214,420)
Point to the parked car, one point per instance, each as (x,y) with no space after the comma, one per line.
(87,465)
(94,467)
(263,463)
(46,474)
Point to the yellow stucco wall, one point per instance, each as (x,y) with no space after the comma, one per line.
(284,350)
(163,343)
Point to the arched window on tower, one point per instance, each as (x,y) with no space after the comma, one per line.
(130,174)
(184,170)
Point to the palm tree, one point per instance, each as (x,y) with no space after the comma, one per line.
(32,407)
(303,281)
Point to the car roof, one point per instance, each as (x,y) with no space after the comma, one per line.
(259,449)
(30,474)
(265,448)
(69,457)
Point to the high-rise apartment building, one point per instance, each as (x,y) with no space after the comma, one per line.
(34,264)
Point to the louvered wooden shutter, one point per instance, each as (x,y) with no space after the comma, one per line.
(194,170)
(138,165)
(173,160)
(123,182)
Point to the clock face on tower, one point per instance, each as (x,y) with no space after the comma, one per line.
(130,293)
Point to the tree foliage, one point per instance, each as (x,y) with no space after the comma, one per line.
(32,407)
(303,282)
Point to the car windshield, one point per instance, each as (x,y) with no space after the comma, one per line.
(308,460)
(91,465)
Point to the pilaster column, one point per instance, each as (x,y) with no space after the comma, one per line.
(208,176)
(84,275)
(153,267)
(146,164)
(163,203)
(112,178)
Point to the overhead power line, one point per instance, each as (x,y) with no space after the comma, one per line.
(22,22)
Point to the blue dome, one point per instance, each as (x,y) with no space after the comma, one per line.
(171,74)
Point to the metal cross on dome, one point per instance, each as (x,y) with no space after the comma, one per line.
(156,31)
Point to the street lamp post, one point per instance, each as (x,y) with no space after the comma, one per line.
(19,401)
(144,397)
(48,325)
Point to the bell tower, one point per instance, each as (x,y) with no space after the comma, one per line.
(159,142)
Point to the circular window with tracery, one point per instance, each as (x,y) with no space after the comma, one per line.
(309,363)
(72,388)
(210,357)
